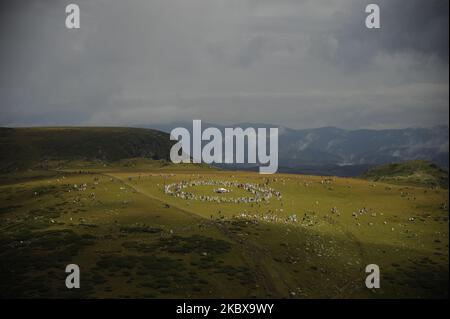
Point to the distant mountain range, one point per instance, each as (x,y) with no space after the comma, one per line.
(335,151)
(320,151)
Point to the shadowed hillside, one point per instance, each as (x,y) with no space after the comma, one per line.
(412,172)
(27,147)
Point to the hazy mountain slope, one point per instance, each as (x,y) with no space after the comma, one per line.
(343,147)
(330,146)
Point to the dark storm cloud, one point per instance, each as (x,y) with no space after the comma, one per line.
(295,63)
(423,26)
(408,27)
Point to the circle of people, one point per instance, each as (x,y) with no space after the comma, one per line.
(260,193)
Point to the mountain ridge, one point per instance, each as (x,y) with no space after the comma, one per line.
(328,145)
(22,148)
(320,151)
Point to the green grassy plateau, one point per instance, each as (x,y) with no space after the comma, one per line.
(132,239)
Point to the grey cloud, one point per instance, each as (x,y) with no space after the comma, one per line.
(407,27)
(295,63)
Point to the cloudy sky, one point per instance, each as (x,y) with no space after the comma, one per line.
(296,63)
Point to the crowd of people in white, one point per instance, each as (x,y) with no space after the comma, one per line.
(260,193)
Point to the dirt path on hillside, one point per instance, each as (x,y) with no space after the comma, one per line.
(251,254)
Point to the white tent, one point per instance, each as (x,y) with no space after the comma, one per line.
(221,190)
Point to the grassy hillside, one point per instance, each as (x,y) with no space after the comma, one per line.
(412,172)
(133,240)
(145,228)
(28,147)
